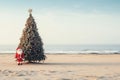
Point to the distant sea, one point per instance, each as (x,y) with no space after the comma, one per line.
(70,49)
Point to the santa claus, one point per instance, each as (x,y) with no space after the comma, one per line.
(19,56)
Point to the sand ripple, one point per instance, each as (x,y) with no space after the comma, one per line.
(52,75)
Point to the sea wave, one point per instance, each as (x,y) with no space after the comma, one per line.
(85,52)
(71,49)
(75,52)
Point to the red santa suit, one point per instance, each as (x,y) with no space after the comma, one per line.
(19,56)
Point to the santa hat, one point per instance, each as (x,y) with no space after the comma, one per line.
(18,48)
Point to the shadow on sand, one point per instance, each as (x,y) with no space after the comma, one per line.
(81,64)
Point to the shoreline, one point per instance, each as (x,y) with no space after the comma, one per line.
(75,53)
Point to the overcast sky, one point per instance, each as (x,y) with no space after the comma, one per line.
(62,21)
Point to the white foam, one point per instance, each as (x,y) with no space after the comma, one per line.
(75,52)
(85,52)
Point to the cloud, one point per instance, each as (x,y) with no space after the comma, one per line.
(78,28)
(64,27)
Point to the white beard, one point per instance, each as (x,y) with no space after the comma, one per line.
(19,51)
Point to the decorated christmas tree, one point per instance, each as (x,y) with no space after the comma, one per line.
(31,42)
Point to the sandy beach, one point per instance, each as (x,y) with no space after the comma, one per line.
(63,67)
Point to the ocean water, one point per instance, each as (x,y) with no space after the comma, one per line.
(75,49)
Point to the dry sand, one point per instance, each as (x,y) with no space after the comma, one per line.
(63,67)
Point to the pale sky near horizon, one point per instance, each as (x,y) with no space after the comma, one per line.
(62,21)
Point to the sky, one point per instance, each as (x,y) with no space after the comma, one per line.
(62,21)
